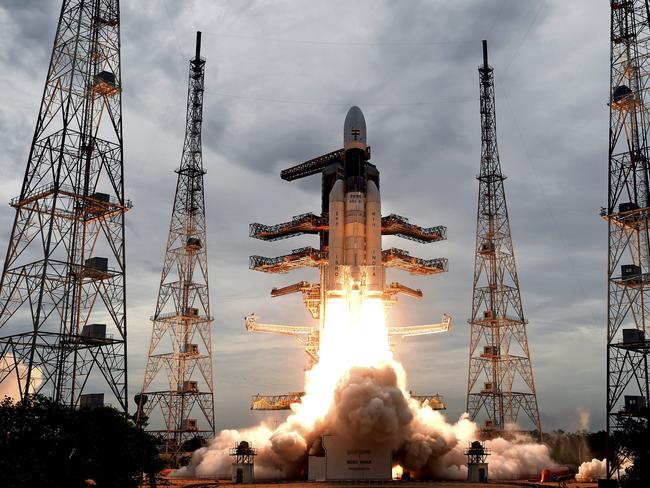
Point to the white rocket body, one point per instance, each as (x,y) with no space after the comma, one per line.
(374,264)
(355,261)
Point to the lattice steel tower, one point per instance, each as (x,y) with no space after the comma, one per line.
(63,291)
(500,380)
(181,344)
(627,214)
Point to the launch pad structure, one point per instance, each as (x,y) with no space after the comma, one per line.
(181,336)
(500,377)
(63,285)
(628,217)
(350,255)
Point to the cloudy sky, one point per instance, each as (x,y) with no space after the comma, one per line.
(280,76)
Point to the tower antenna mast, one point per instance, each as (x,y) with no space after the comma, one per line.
(500,382)
(181,338)
(63,288)
(627,214)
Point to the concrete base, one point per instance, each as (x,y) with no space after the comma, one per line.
(346,460)
(316,470)
(242,473)
(477,473)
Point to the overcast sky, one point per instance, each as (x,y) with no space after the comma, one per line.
(280,76)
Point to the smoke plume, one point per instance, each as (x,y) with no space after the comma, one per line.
(370,405)
(358,391)
(592,470)
(584,416)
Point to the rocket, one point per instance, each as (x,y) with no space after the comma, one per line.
(354,241)
(350,258)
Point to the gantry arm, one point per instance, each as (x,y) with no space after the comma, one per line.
(307,336)
(291,330)
(436,402)
(275,402)
(400,226)
(415,330)
(401,259)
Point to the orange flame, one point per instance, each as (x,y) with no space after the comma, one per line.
(354,334)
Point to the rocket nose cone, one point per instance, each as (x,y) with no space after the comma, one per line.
(354,113)
(354,129)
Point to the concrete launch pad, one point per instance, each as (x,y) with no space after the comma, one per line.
(205,483)
(341,459)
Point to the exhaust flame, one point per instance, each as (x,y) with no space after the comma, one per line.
(359,391)
(354,335)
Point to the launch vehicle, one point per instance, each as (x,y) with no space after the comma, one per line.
(354,239)
(350,257)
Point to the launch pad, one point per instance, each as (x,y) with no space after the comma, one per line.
(335,458)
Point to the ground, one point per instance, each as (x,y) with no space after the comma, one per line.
(205,483)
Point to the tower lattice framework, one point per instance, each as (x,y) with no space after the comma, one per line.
(181,344)
(627,214)
(500,382)
(63,290)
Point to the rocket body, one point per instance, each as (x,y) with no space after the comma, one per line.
(355,261)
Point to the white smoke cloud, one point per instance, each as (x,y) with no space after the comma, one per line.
(215,459)
(584,417)
(592,470)
(519,458)
(370,403)
(597,468)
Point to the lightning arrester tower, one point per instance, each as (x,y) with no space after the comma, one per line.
(627,214)
(181,343)
(500,382)
(63,290)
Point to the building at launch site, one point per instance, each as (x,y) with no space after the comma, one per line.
(333,457)
(243,463)
(350,260)
(477,465)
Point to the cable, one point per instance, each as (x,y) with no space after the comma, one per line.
(547,204)
(524,38)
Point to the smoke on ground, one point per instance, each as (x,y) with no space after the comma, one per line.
(371,403)
(592,470)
